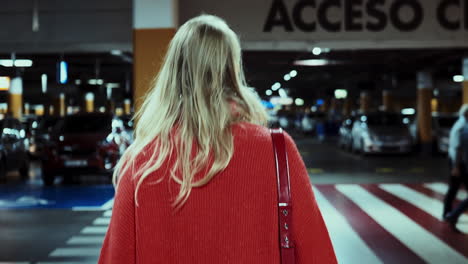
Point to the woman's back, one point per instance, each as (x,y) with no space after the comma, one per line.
(232,219)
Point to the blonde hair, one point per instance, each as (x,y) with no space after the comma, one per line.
(201,73)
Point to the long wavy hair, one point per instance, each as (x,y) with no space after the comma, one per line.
(200,78)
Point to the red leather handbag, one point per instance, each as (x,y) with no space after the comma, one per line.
(287,250)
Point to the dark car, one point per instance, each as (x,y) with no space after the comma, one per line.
(84,143)
(13,148)
(42,129)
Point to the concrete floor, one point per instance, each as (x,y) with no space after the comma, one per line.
(73,233)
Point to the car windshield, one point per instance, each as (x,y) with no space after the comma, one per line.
(383,120)
(446,122)
(87,124)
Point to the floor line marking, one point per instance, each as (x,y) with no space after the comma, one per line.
(101,221)
(442,188)
(85,240)
(108,205)
(76,252)
(95,230)
(108,213)
(423,243)
(349,246)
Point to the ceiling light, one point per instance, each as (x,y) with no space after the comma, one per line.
(18,63)
(95,82)
(299,101)
(408,111)
(276,86)
(316,51)
(293,73)
(458,78)
(287,77)
(268,92)
(341,94)
(312,62)
(116,52)
(282,93)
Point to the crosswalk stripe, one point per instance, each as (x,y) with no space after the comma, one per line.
(420,241)
(102,221)
(85,240)
(443,187)
(108,213)
(67,262)
(349,246)
(95,230)
(76,252)
(430,205)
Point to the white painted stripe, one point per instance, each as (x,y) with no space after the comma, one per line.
(102,221)
(428,204)
(76,252)
(108,213)
(348,245)
(442,188)
(87,208)
(108,205)
(94,230)
(420,241)
(85,240)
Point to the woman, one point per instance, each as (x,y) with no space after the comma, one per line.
(198,185)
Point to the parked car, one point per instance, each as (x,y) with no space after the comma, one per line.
(380,132)
(345,138)
(13,148)
(441,125)
(44,127)
(84,143)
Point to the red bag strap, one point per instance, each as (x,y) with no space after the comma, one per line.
(284,197)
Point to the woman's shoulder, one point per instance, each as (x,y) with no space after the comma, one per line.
(251,131)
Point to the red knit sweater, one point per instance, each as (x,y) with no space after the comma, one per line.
(233,219)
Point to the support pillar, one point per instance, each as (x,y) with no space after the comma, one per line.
(59,105)
(154,24)
(364,102)
(465,81)
(89,102)
(15,98)
(127,107)
(387,99)
(347,105)
(424,113)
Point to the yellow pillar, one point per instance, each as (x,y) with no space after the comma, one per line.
(387,99)
(89,102)
(39,110)
(364,102)
(424,112)
(465,81)
(62,106)
(15,97)
(154,24)
(27,109)
(127,107)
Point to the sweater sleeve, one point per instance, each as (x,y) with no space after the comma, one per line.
(119,243)
(310,234)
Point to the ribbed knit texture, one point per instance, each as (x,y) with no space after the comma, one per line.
(233,219)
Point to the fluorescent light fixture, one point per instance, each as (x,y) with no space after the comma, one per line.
(44,83)
(4,83)
(116,52)
(458,78)
(299,101)
(95,81)
(341,94)
(112,85)
(77,81)
(408,111)
(282,93)
(276,86)
(287,77)
(18,63)
(275,100)
(312,62)
(63,72)
(316,51)
(293,73)
(268,92)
